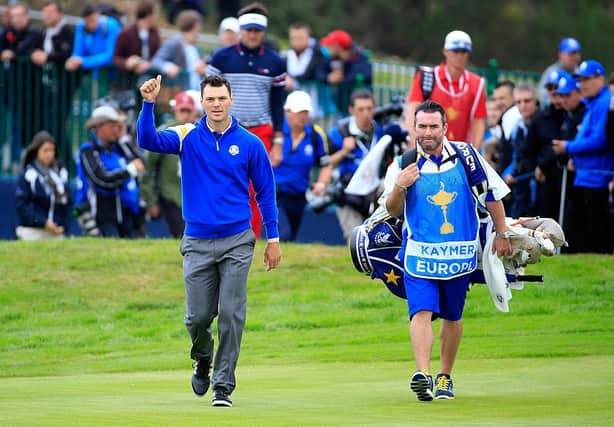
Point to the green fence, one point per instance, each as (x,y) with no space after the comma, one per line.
(50,98)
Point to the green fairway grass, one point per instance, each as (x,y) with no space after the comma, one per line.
(91,333)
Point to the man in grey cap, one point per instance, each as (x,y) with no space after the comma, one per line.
(106,177)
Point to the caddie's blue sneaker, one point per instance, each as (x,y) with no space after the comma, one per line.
(444,387)
(200,377)
(422,384)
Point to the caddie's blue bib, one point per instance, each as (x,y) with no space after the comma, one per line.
(441,213)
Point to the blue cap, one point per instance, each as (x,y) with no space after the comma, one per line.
(567,84)
(590,68)
(553,77)
(569,45)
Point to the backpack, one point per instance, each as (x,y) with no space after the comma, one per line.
(427,82)
(111,11)
(476,175)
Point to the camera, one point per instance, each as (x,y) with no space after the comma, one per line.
(86,219)
(335,193)
(391,111)
(332,194)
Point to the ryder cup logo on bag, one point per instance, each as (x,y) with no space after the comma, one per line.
(233,150)
(382,238)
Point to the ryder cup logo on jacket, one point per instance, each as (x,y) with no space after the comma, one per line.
(233,150)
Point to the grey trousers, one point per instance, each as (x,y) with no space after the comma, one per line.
(215,276)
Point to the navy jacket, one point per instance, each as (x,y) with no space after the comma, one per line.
(36,199)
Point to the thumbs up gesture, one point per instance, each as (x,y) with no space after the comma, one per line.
(151,88)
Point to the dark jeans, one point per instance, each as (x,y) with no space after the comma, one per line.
(131,225)
(521,203)
(291,209)
(589,221)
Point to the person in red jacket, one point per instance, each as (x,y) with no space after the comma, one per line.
(460,92)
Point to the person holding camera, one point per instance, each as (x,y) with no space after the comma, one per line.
(350,141)
(106,177)
(304,148)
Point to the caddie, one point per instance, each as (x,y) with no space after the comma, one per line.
(440,240)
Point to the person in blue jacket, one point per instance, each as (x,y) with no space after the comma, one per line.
(107,172)
(94,43)
(593,159)
(350,141)
(304,148)
(42,193)
(218,157)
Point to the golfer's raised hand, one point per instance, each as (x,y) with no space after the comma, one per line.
(151,88)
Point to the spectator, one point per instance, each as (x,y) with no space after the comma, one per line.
(19,38)
(570,95)
(303,60)
(228,31)
(545,127)
(593,158)
(524,157)
(350,141)
(347,67)
(492,133)
(55,47)
(42,194)
(180,54)
(570,55)
(257,76)
(16,44)
(107,177)
(95,39)
(57,38)
(162,180)
(303,149)
(510,117)
(138,43)
(459,91)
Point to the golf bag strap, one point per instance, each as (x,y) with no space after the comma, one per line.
(471,165)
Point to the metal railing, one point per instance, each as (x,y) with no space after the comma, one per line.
(33,98)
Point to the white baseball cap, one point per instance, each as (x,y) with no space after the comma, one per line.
(298,101)
(229,24)
(457,40)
